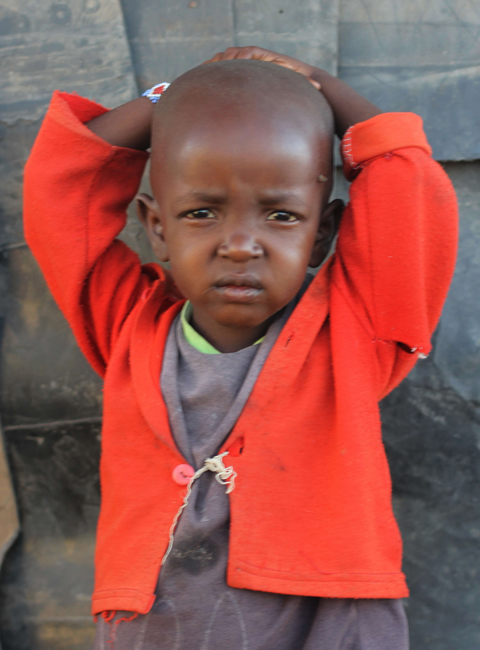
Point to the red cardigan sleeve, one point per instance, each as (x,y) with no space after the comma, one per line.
(397,241)
(76,190)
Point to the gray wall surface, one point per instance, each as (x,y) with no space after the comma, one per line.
(404,55)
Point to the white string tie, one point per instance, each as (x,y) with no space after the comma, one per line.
(224,475)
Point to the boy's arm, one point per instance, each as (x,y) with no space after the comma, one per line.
(76,190)
(127,126)
(397,241)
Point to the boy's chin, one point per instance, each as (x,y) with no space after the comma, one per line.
(240,321)
(240,317)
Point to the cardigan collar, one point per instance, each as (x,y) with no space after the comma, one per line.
(283,364)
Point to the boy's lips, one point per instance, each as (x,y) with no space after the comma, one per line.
(238,288)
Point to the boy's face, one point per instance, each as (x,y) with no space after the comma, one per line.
(237,214)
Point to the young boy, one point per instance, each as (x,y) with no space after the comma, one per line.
(245,491)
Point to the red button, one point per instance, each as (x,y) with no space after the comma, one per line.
(182,474)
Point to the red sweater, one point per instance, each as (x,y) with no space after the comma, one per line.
(311,510)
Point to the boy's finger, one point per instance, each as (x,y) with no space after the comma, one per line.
(249,52)
(260,54)
(214,59)
(224,56)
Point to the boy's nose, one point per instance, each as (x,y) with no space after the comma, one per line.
(240,246)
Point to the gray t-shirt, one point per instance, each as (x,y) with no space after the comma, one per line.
(195,609)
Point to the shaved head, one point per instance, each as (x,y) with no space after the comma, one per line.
(251,86)
(252,99)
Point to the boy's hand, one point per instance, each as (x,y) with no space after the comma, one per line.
(259,54)
(348,106)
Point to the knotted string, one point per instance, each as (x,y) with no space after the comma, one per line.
(224,475)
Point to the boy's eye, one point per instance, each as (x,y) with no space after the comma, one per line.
(282,216)
(200,214)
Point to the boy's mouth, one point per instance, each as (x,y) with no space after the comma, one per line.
(238,288)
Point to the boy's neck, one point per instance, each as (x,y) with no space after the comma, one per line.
(228,339)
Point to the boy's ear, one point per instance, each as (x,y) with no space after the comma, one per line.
(327,228)
(149,214)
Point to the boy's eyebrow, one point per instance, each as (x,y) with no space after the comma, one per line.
(203,196)
(269,198)
(281,196)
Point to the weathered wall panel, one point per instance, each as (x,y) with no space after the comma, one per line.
(44,375)
(79,45)
(169,38)
(306,30)
(76,45)
(423,57)
(8,509)
(48,578)
(432,438)
(457,353)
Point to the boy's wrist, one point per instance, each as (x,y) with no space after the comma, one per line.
(155,92)
(348,106)
(317,74)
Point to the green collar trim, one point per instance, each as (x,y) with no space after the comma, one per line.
(195,339)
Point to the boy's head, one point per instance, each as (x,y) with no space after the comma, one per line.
(241,173)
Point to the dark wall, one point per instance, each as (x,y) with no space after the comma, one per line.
(404,55)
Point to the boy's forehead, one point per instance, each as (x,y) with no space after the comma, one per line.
(239,129)
(241,110)
(198,139)
(245,153)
